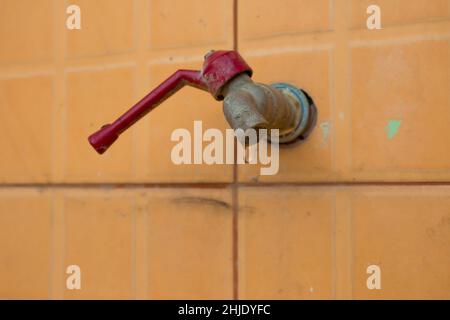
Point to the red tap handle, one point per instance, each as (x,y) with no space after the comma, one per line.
(219,67)
(105,137)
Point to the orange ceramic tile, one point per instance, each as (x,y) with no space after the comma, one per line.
(179,23)
(189,244)
(383,102)
(396,12)
(106,28)
(179,112)
(404,231)
(25,255)
(286,243)
(26,106)
(310,70)
(26,31)
(395,135)
(96,97)
(264,18)
(98,239)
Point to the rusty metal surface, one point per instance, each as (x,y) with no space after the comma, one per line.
(250,105)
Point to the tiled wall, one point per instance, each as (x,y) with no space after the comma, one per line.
(371,186)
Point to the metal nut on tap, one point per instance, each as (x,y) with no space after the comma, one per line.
(226,76)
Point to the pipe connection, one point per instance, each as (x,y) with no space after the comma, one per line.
(247,105)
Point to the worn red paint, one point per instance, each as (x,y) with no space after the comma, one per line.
(219,68)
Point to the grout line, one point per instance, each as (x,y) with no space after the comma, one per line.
(51,281)
(59,275)
(57,156)
(398,40)
(133,277)
(334,249)
(59,94)
(235,25)
(235,226)
(137,34)
(100,68)
(63,240)
(29,74)
(218,185)
(114,186)
(175,60)
(343,244)
(140,145)
(351,256)
(146,228)
(341,85)
(287,49)
(235,185)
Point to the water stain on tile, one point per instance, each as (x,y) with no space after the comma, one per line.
(325,127)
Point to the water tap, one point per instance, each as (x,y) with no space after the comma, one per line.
(247,105)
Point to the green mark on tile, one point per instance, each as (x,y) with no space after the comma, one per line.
(392,128)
